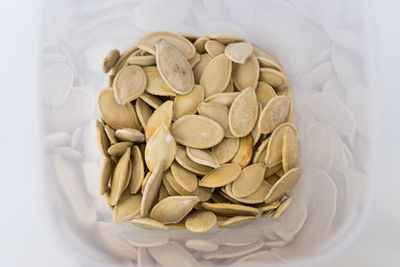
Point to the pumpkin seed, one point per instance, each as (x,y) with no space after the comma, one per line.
(218,113)
(142,61)
(174,68)
(127,208)
(163,193)
(247,74)
(177,226)
(203,157)
(173,209)
(200,43)
(201,221)
(259,155)
(227,209)
(238,52)
(187,104)
(243,113)
(155,83)
(105,174)
(110,132)
(272,179)
(283,185)
(197,131)
(214,48)
(151,100)
(195,60)
(119,148)
(225,38)
(143,112)
(145,180)
(259,52)
(201,66)
(256,197)
(184,178)
(129,84)
(102,139)
(123,58)
(216,75)
(272,170)
(282,208)
(274,149)
(249,180)
(161,116)
(175,187)
(280,173)
(290,149)
(182,158)
(131,135)
(270,206)
(275,78)
(161,147)
(137,175)
(120,177)
(264,93)
(288,92)
(170,189)
(110,60)
(221,176)
(151,190)
(222,98)
(237,221)
(150,224)
(229,88)
(273,114)
(245,151)
(223,193)
(269,63)
(225,150)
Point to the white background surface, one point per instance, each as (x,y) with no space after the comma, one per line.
(25,239)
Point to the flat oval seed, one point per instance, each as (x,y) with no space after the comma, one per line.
(264,93)
(273,114)
(288,92)
(129,84)
(102,139)
(284,185)
(171,182)
(218,113)
(119,148)
(131,135)
(200,43)
(282,208)
(239,52)
(105,175)
(255,133)
(149,41)
(174,68)
(274,149)
(246,75)
(183,159)
(243,113)
(259,155)
(272,170)
(237,221)
(245,151)
(197,131)
(173,209)
(151,100)
(161,147)
(270,206)
(142,61)
(145,180)
(229,88)
(201,221)
(127,208)
(221,176)
(290,149)
(201,66)
(256,197)
(120,177)
(161,116)
(275,78)
(223,98)
(230,210)
(225,150)
(184,178)
(259,52)
(143,112)
(151,190)
(195,60)
(214,48)
(116,115)
(137,175)
(249,180)
(155,83)
(110,60)
(269,63)
(187,104)
(225,38)
(203,157)
(150,224)
(110,132)
(121,62)
(216,75)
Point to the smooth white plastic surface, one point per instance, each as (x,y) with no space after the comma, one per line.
(323,48)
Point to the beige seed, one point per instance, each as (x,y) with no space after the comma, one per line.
(177,226)
(161,116)
(155,83)
(288,92)
(218,113)
(274,149)
(282,208)
(223,193)
(280,173)
(151,190)
(182,158)
(129,84)
(275,78)
(227,209)
(174,68)
(151,100)
(245,151)
(269,63)
(195,60)
(221,176)
(161,147)
(229,88)
(237,221)
(273,114)
(259,155)
(225,38)
(121,62)
(149,224)
(202,156)
(163,193)
(197,131)
(116,115)
(170,181)
(216,75)
(131,135)
(225,150)
(283,185)
(137,175)
(105,175)
(259,52)
(119,148)
(222,98)
(270,206)
(127,208)
(249,180)
(201,221)
(143,61)
(214,48)
(239,52)
(143,112)
(187,104)
(173,209)
(243,113)
(201,66)
(255,133)
(264,93)
(120,177)
(247,74)
(200,43)
(184,178)
(254,198)
(110,60)
(168,186)
(102,139)
(290,149)
(110,132)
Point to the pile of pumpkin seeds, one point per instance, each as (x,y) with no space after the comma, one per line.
(195,133)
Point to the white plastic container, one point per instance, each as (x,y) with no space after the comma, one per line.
(323,48)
